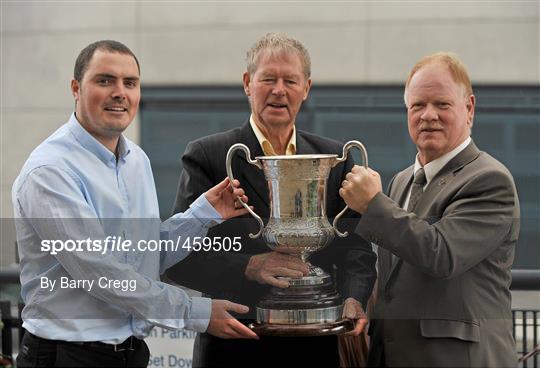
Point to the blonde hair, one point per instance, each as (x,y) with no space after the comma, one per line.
(451,61)
(277,44)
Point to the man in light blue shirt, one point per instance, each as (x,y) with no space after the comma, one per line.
(91,243)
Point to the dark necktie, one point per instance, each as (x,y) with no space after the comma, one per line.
(417,189)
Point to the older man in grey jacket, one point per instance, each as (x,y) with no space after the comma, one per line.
(447,232)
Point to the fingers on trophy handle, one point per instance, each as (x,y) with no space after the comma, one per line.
(228,162)
(363,153)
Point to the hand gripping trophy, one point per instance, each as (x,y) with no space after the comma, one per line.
(298,226)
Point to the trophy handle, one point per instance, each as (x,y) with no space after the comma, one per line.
(363,153)
(243,147)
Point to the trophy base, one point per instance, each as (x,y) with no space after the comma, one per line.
(312,329)
(299,316)
(310,306)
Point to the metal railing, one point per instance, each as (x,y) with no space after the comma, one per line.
(525,280)
(8,324)
(526,331)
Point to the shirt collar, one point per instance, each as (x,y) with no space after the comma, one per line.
(123,148)
(433,167)
(266,146)
(93,145)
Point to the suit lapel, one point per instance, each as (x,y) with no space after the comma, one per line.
(248,174)
(398,193)
(443,177)
(401,183)
(302,145)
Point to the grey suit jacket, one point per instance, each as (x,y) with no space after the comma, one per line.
(445,300)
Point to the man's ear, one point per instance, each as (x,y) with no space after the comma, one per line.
(246,79)
(306,90)
(471,102)
(75,89)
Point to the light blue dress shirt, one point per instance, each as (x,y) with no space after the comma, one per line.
(73,188)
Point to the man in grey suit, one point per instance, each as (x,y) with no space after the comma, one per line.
(446,234)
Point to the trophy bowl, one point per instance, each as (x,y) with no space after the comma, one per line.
(298,225)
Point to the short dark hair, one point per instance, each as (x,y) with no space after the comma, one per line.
(81,64)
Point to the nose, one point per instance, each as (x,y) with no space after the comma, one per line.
(430,113)
(279,88)
(119,91)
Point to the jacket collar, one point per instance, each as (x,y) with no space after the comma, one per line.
(440,180)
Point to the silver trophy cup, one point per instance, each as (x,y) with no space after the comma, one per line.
(298,225)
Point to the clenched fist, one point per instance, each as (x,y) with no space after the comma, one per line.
(359,188)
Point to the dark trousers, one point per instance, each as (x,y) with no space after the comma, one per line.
(37,352)
(376,349)
(321,351)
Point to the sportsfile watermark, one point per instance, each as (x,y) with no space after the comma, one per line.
(120,244)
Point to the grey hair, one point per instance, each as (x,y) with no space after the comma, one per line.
(277,44)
